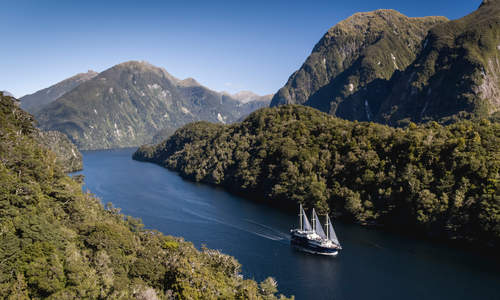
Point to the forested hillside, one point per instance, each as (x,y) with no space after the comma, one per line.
(59,243)
(439,180)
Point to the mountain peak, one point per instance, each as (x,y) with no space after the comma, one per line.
(380,20)
(188,82)
(141,66)
(136,64)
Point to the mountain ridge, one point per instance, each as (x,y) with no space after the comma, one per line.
(36,101)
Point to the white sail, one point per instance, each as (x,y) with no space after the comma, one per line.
(331,232)
(305,222)
(317,225)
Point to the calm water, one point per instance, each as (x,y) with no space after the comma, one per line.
(373,264)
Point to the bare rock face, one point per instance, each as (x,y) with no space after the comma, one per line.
(67,154)
(34,102)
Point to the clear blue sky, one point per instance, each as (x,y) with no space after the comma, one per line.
(225,45)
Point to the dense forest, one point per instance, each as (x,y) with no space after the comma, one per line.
(442,181)
(57,242)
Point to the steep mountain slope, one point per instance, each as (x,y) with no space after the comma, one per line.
(57,242)
(457,74)
(358,53)
(128,104)
(442,181)
(36,101)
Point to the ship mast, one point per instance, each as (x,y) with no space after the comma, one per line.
(300,218)
(314,220)
(327,224)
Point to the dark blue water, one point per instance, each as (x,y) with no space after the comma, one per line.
(373,265)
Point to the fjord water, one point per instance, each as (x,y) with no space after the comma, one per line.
(373,265)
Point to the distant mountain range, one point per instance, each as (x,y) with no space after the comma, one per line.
(383,66)
(130,103)
(248,96)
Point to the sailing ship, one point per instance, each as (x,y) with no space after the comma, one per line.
(313,239)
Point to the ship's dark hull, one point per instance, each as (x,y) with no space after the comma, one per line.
(306,245)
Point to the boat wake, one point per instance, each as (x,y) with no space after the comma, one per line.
(279,235)
(258,229)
